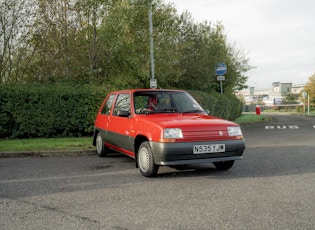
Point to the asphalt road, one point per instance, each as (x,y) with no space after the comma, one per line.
(273,187)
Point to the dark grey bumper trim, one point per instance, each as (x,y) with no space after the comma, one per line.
(199,161)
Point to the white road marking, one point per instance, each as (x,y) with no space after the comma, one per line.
(283,127)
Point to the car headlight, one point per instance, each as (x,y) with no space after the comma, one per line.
(173,133)
(235,131)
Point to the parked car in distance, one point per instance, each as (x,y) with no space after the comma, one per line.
(159,127)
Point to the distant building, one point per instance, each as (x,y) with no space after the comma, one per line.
(270,96)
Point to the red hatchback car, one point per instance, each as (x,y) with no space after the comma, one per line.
(159,127)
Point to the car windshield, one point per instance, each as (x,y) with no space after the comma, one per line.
(146,102)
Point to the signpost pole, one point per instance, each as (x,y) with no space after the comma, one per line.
(221,79)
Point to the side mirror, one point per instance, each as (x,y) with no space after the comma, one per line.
(207,111)
(123,113)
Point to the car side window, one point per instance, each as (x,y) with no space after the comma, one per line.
(108,105)
(122,103)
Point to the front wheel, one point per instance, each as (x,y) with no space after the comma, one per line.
(101,149)
(223,165)
(145,161)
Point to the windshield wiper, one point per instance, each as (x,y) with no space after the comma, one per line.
(165,111)
(194,111)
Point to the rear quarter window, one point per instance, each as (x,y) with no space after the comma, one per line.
(108,105)
(122,103)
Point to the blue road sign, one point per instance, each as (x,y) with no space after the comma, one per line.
(220,69)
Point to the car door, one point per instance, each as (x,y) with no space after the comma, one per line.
(119,125)
(103,116)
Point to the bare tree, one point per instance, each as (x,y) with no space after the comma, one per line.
(15,18)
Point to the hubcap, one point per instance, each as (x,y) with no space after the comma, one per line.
(99,143)
(143,159)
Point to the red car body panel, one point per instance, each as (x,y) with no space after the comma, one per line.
(125,133)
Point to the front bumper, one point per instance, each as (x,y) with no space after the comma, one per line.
(182,153)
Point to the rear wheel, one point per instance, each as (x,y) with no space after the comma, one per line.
(101,149)
(145,161)
(223,165)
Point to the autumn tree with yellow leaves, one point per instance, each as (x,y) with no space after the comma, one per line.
(310,89)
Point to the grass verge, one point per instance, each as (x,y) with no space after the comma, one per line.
(251,118)
(39,144)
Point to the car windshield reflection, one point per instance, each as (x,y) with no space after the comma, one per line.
(152,102)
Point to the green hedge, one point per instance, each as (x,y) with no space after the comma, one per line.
(219,105)
(63,111)
(47,110)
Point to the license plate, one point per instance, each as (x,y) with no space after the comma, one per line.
(215,148)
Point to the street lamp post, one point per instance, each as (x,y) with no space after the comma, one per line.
(308,103)
(151,39)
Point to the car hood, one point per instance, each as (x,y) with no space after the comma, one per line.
(187,120)
(195,127)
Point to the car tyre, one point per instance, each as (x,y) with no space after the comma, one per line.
(223,165)
(145,161)
(101,149)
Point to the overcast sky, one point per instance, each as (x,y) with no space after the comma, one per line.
(278,36)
